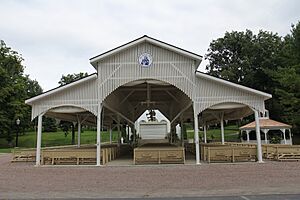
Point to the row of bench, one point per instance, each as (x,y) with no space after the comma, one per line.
(68,155)
(235,152)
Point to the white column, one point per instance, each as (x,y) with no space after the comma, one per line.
(266,136)
(98,135)
(39,141)
(266,139)
(196,138)
(204,132)
(222,128)
(110,135)
(291,140)
(258,139)
(181,133)
(78,133)
(248,138)
(284,138)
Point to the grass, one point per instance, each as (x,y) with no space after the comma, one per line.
(56,139)
(5,150)
(231,133)
(89,137)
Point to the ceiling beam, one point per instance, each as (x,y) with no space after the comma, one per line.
(118,113)
(182,111)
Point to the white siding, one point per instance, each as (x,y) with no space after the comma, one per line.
(153,130)
(83,95)
(167,66)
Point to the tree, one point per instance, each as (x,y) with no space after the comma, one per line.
(65,126)
(250,60)
(245,58)
(69,78)
(266,62)
(288,77)
(49,124)
(15,87)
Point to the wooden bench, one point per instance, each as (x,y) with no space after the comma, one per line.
(23,155)
(229,154)
(71,156)
(159,155)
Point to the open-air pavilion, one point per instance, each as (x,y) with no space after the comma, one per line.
(148,74)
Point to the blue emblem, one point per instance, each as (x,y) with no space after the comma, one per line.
(145,60)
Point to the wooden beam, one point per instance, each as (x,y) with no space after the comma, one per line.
(170,94)
(118,113)
(126,97)
(184,109)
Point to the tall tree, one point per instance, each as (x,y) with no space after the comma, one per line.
(266,62)
(243,57)
(288,77)
(15,87)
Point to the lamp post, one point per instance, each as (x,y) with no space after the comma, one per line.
(17,135)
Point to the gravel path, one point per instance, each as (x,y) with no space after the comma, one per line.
(23,180)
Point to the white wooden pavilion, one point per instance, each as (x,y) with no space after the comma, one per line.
(148,74)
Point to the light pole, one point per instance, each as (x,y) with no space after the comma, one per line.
(18,123)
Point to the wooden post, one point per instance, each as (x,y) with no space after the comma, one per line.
(204,133)
(39,140)
(196,137)
(222,128)
(258,139)
(99,136)
(78,133)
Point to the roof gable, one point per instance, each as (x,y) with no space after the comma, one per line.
(266,123)
(233,85)
(142,39)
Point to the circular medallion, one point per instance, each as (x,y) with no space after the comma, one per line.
(145,60)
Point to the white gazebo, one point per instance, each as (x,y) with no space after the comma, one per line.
(148,74)
(266,126)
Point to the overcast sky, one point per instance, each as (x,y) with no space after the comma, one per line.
(58,37)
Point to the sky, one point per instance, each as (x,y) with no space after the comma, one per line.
(59,37)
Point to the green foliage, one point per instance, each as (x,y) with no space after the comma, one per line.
(49,124)
(69,78)
(275,140)
(15,88)
(243,57)
(266,62)
(288,77)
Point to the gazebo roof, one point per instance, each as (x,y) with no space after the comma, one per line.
(266,123)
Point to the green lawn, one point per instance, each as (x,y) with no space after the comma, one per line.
(231,133)
(89,137)
(56,139)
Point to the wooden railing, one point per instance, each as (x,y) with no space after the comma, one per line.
(159,155)
(232,152)
(86,154)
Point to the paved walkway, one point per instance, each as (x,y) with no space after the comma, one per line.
(23,180)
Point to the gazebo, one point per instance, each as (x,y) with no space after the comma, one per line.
(267,126)
(144,74)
